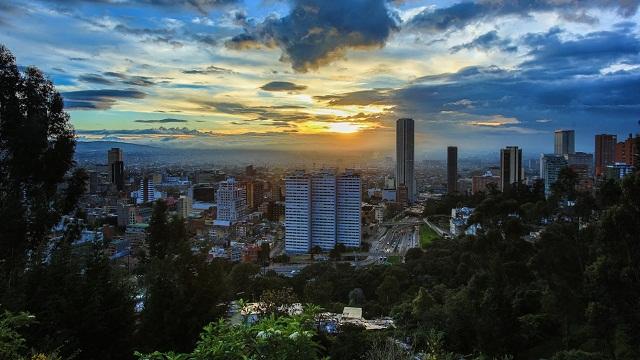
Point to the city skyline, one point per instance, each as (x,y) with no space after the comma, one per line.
(219,74)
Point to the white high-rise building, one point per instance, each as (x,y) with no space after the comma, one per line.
(297,213)
(322,210)
(349,225)
(230,202)
(184,206)
(405,157)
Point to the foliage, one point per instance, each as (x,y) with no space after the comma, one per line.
(12,344)
(273,337)
(182,291)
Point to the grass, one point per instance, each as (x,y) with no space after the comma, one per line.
(427,235)
(394,259)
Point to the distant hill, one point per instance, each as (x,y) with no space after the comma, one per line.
(88,147)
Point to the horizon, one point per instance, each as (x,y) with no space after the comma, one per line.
(294,75)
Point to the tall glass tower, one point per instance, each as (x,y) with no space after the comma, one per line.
(405,157)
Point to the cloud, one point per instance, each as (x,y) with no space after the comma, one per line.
(98,99)
(486,42)
(495,121)
(95,79)
(363,97)
(462,14)
(110,78)
(209,70)
(317,32)
(202,6)
(282,86)
(562,79)
(161,121)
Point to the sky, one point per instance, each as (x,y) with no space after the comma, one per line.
(334,76)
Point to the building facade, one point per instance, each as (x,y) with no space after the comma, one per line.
(511,170)
(405,174)
(452,169)
(230,201)
(625,151)
(481,183)
(550,167)
(565,142)
(322,209)
(605,152)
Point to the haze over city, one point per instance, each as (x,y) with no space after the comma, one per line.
(309,74)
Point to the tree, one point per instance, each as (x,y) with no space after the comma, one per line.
(36,151)
(182,290)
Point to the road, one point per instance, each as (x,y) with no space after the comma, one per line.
(395,241)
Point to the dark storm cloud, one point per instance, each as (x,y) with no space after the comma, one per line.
(161,121)
(462,14)
(485,42)
(317,32)
(98,99)
(282,86)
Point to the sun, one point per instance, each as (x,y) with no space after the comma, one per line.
(344,127)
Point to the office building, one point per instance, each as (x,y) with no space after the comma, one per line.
(126,215)
(565,142)
(550,167)
(116,167)
(405,157)
(482,183)
(230,202)
(605,152)
(511,171)
(581,160)
(402,195)
(255,194)
(322,209)
(146,191)
(184,206)
(117,175)
(114,154)
(452,169)
(618,170)
(625,151)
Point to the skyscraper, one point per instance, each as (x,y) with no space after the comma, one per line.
(322,209)
(565,142)
(550,167)
(405,157)
(184,206)
(230,202)
(297,213)
(116,167)
(605,152)
(625,151)
(452,169)
(349,199)
(511,170)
